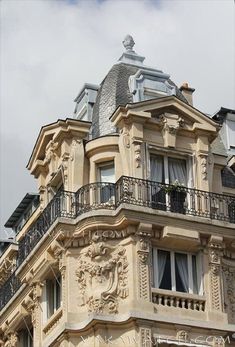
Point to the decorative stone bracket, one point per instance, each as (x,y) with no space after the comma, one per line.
(137,150)
(170,126)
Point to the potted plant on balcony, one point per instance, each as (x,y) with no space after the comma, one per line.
(177,196)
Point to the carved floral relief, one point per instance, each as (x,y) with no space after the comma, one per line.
(102,277)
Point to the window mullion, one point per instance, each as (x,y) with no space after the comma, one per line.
(190,274)
(173,284)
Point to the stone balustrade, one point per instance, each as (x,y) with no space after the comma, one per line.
(178,300)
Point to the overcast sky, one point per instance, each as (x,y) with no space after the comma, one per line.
(50,48)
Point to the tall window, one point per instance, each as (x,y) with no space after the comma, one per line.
(107,176)
(53,295)
(172,171)
(176,271)
(25,337)
(168,170)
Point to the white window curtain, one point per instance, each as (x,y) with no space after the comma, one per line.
(162,256)
(156,168)
(107,174)
(177,171)
(182,266)
(194,272)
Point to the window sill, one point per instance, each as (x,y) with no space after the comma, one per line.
(53,321)
(178,300)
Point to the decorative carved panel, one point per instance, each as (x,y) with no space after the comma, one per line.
(229,289)
(102,277)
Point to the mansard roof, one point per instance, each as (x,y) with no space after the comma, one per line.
(114,91)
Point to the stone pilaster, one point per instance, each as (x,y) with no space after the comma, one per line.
(143,262)
(215,251)
(35,310)
(145,337)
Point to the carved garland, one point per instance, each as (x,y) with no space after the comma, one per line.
(102,277)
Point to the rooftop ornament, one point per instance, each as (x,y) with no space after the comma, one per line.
(128,43)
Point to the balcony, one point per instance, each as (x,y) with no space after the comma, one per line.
(178,300)
(128,190)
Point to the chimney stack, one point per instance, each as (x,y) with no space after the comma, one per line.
(187,92)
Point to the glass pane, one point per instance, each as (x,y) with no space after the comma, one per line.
(107,174)
(177,171)
(58,293)
(50,298)
(181,272)
(156,168)
(194,271)
(164,270)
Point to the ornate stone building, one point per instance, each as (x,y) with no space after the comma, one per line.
(130,240)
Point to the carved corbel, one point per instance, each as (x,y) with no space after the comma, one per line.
(65,163)
(204,165)
(74,145)
(170,126)
(42,191)
(137,150)
(50,155)
(125,133)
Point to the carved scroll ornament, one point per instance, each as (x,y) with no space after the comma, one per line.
(102,277)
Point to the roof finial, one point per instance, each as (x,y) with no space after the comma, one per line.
(128,43)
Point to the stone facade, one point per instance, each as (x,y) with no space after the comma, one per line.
(88,269)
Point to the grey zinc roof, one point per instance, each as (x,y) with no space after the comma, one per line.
(113,92)
(217,146)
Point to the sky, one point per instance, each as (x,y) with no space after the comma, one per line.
(50,48)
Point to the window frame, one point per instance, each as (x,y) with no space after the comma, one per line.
(106,164)
(199,272)
(54,283)
(166,156)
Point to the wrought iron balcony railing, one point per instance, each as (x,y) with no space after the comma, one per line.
(128,190)
(8,289)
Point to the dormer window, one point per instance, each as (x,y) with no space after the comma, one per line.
(149,84)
